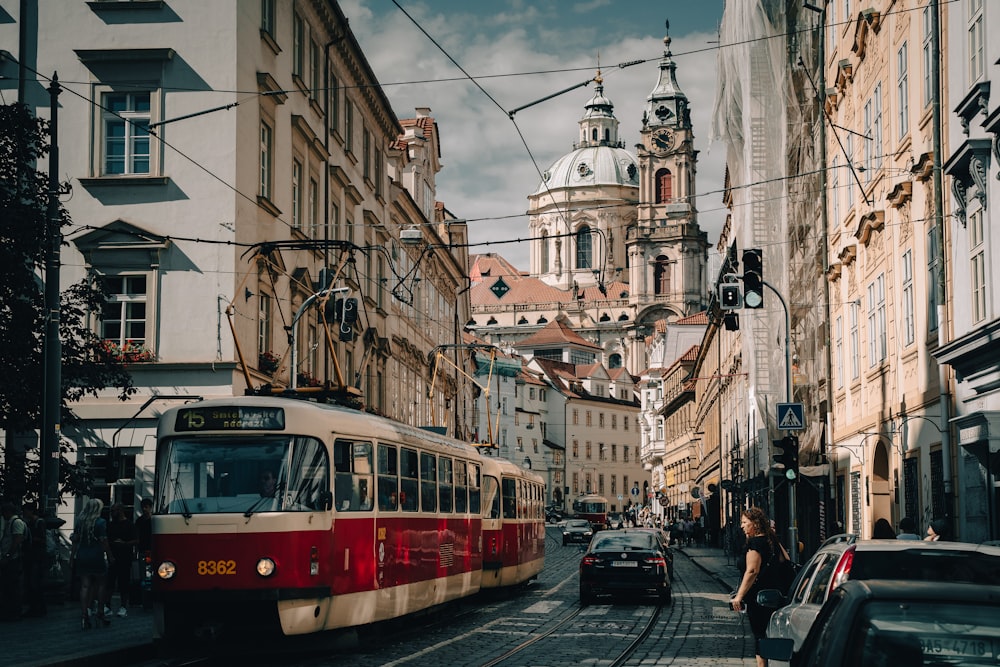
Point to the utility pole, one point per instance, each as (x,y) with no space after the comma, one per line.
(52,394)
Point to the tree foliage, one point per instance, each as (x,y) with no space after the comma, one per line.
(87,367)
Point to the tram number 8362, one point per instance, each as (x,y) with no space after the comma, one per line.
(211,567)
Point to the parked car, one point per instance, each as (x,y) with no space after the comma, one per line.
(844,558)
(615,521)
(624,562)
(893,622)
(577,530)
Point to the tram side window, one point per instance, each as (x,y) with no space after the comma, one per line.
(461,487)
(409,483)
(491,498)
(388,478)
(475,484)
(428,482)
(509,492)
(445,488)
(353,487)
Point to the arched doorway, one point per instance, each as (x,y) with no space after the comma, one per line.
(881,490)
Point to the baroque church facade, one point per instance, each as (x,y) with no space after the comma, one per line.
(615,240)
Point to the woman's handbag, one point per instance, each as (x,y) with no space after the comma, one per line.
(779,573)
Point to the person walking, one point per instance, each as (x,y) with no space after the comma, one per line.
(907,529)
(36,561)
(762,548)
(12,534)
(122,538)
(90,549)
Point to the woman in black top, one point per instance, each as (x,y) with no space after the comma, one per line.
(762,547)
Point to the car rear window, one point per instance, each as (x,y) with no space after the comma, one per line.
(927,565)
(926,633)
(626,541)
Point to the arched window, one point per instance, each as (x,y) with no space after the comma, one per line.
(607,135)
(492,321)
(605,318)
(661,275)
(544,254)
(542,320)
(664,186)
(584,249)
(593,134)
(623,317)
(615,361)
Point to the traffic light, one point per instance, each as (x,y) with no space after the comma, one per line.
(753,278)
(786,453)
(348,311)
(731,322)
(730,297)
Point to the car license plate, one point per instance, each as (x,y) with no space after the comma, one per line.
(958,646)
(624,563)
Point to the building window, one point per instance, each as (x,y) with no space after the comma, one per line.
(933,271)
(334,111)
(263,323)
(584,248)
(600,418)
(903,91)
(615,361)
(313,208)
(909,334)
(602,452)
(661,275)
(625,459)
(614,453)
(544,254)
(377,166)
(849,150)
(266,155)
(576,449)
(123,317)
(877,346)
(868,144)
(298,46)
(664,186)
(977,265)
(348,126)
(838,334)
(126,119)
(589,418)
(877,147)
(296,194)
(366,153)
(926,31)
(976,55)
(314,70)
(855,341)
(835,189)
(625,422)
(589,450)
(614,422)
(267,16)
(576,416)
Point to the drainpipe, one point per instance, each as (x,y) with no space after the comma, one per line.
(945,399)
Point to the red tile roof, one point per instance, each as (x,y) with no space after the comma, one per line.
(555,333)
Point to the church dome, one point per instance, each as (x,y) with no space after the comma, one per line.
(592,166)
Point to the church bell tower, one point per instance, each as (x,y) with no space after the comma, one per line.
(667,249)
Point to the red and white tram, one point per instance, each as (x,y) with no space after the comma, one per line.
(593,508)
(302,517)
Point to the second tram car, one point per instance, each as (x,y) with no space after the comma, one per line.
(593,508)
(301,517)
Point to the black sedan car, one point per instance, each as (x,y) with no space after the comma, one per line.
(624,562)
(577,530)
(901,623)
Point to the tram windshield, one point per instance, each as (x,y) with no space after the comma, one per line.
(245,475)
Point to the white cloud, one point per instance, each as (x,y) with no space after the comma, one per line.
(488,172)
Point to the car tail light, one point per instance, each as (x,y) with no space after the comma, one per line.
(843,569)
(589,560)
(656,560)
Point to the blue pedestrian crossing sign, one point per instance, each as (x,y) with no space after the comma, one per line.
(791,417)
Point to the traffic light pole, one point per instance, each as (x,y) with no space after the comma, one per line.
(793,530)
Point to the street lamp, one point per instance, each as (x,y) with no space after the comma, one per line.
(527,463)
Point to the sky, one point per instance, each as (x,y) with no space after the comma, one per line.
(521,51)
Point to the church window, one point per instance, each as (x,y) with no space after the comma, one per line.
(545,252)
(523,320)
(607,135)
(614,361)
(664,186)
(584,249)
(543,320)
(605,317)
(661,275)
(623,316)
(491,321)
(593,134)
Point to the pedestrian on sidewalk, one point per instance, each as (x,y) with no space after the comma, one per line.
(91,555)
(123,539)
(12,534)
(36,561)
(761,549)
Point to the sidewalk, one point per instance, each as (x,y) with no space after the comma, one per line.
(56,640)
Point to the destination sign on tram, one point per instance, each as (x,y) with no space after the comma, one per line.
(230,419)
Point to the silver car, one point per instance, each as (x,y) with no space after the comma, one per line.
(844,557)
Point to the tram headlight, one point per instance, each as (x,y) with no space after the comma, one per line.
(265,567)
(166,570)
